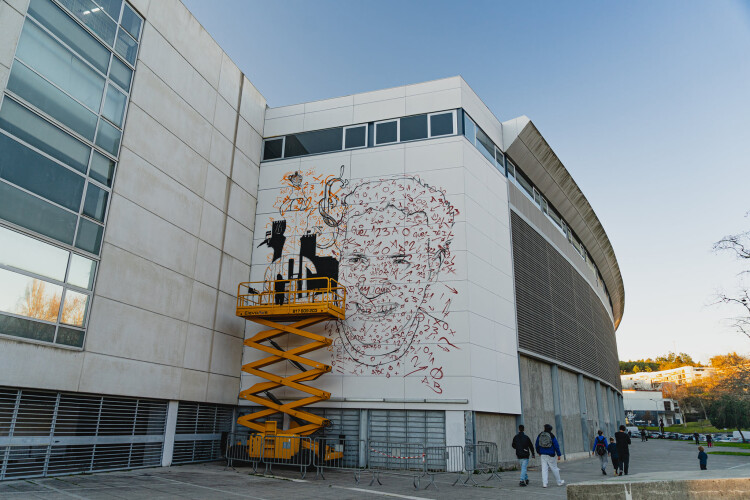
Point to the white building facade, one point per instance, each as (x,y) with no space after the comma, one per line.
(143,177)
(648,407)
(654,380)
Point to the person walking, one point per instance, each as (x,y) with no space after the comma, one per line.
(600,450)
(703,458)
(623,452)
(697,438)
(523,446)
(661,426)
(547,447)
(709,440)
(612,449)
(644,436)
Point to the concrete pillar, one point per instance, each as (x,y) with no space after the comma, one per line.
(584,412)
(600,420)
(559,431)
(455,435)
(519,417)
(611,411)
(166,457)
(364,435)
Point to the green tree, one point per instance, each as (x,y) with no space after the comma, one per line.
(730,411)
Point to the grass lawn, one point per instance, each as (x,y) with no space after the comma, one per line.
(734,453)
(694,427)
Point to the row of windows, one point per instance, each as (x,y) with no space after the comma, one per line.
(489,150)
(408,128)
(61,121)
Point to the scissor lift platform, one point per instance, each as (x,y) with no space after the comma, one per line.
(288,307)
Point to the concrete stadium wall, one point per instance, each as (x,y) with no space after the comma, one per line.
(180,225)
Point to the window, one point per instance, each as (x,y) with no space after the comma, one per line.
(485,145)
(511,168)
(470,128)
(386,132)
(500,160)
(273,148)
(442,123)
(310,143)
(413,128)
(44,286)
(355,137)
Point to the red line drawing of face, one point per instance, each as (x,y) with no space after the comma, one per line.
(396,236)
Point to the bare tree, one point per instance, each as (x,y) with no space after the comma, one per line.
(739,245)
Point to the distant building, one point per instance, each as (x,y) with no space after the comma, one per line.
(647,407)
(646,381)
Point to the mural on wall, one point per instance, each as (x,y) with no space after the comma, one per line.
(388,241)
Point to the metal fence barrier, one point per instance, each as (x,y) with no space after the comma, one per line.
(443,460)
(341,454)
(379,457)
(481,458)
(406,459)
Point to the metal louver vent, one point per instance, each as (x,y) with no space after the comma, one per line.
(199,430)
(559,315)
(49,433)
(408,426)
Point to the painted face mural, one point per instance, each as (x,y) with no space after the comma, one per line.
(387,241)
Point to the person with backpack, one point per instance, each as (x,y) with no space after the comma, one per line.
(524,448)
(600,450)
(612,449)
(623,452)
(547,447)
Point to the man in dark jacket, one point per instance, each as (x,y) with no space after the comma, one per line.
(547,447)
(623,452)
(522,445)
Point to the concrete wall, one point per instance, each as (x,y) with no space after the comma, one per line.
(180,225)
(473,306)
(499,429)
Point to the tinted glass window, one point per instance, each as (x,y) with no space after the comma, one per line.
(81,272)
(51,100)
(38,132)
(120,74)
(89,236)
(74,308)
(33,172)
(272,149)
(53,61)
(500,161)
(307,143)
(525,183)
(96,203)
(485,145)
(114,106)
(27,329)
(441,124)
(30,212)
(108,138)
(94,17)
(69,336)
(112,7)
(356,137)
(126,46)
(70,32)
(414,127)
(470,130)
(386,132)
(131,22)
(102,168)
(34,256)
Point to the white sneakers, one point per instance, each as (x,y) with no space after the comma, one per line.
(561,483)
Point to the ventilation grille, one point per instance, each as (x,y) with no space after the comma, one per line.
(48,433)
(199,431)
(559,315)
(408,426)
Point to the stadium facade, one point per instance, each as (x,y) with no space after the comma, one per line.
(142,177)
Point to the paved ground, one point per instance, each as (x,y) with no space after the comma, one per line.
(215,481)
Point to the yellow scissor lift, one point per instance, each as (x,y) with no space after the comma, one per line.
(287,307)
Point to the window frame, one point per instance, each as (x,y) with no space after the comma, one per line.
(343,136)
(398,132)
(283,146)
(429,123)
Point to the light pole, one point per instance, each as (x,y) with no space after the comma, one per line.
(656,404)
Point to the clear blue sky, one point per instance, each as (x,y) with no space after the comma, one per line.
(646,103)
